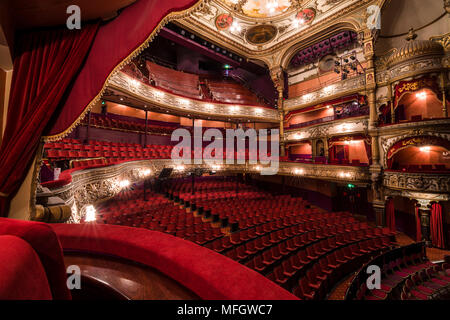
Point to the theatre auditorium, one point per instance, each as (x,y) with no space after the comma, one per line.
(224,150)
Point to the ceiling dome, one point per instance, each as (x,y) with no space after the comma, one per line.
(260,8)
(414,49)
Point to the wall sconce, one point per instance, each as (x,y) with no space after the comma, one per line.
(180,168)
(145,172)
(124,184)
(90,214)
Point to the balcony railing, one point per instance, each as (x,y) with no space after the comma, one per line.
(418,181)
(326,91)
(154,96)
(363,111)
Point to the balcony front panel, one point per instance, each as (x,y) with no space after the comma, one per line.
(178,104)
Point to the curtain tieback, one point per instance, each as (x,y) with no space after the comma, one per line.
(4,195)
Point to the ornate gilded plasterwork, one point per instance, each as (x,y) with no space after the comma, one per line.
(392,134)
(91,186)
(327,12)
(153,96)
(339,127)
(342,88)
(402,71)
(423,182)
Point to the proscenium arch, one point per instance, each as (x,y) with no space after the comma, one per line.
(349,25)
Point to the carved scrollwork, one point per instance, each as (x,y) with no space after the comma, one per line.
(423,182)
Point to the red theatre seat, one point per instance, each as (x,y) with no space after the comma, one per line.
(22,276)
(43,241)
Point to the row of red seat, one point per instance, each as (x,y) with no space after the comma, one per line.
(231,92)
(428,284)
(113,152)
(185,84)
(156,213)
(329,268)
(285,241)
(103,121)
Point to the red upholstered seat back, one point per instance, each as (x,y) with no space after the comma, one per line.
(45,243)
(22,276)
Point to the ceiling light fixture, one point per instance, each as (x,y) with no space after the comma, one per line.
(235,27)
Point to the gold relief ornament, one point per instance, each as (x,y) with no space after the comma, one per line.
(224,21)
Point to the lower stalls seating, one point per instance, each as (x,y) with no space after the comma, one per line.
(302,249)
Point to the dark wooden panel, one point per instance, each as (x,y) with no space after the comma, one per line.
(109,277)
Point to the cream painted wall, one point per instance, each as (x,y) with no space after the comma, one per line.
(20,204)
(5,87)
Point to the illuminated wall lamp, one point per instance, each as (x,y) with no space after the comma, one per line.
(124,184)
(421,95)
(180,168)
(145,172)
(299,171)
(90,214)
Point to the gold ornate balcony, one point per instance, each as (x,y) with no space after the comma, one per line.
(327,93)
(156,98)
(417,182)
(92,185)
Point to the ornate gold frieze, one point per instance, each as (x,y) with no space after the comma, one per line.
(338,89)
(93,185)
(337,127)
(415,49)
(423,182)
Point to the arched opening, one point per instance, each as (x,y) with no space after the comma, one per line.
(418,105)
(349,151)
(418,154)
(425,158)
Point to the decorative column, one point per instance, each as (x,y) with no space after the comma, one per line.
(378,201)
(371,86)
(277,75)
(424,215)
(391,103)
(443,87)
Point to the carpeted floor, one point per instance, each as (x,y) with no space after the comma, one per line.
(433,254)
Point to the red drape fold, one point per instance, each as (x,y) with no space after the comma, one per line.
(390,214)
(115,41)
(436,226)
(418,225)
(46,63)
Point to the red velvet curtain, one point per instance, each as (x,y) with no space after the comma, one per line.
(115,41)
(418,226)
(46,63)
(390,214)
(436,226)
